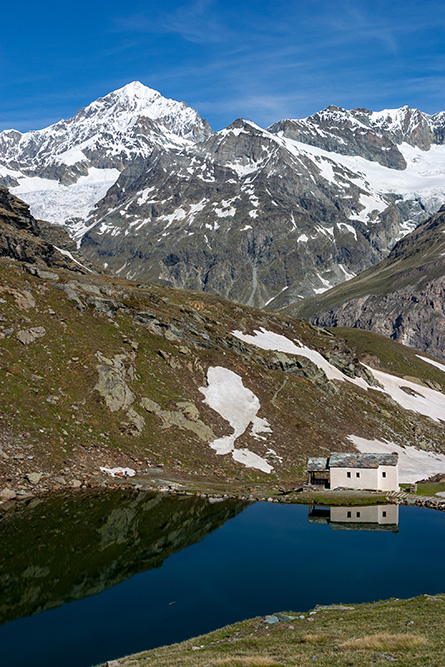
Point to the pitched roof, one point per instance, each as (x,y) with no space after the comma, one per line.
(351,460)
(317,464)
(357,460)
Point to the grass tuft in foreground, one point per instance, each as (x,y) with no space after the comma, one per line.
(385,641)
(252,661)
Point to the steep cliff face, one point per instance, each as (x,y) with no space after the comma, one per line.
(260,216)
(403,297)
(23,238)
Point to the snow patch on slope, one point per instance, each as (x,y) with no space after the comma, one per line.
(408,395)
(267,340)
(239,406)
(50,200)
(437,364)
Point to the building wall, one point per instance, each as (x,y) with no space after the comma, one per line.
(391,481)
(366,478)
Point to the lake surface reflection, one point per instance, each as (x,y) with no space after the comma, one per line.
(219,564)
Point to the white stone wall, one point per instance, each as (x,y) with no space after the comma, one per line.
(366,478)
(360,478)
(391,481)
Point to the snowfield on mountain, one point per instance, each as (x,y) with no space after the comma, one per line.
(271,216)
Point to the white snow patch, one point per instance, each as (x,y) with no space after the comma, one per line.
(437,364)
(49,200)
(227,395)
(348,274)
(274,297)
(414,464)
(71,156)
(370,204)
(302,238)
(73,259)
(425,401)
(118,472)
(349,228)
(267,340)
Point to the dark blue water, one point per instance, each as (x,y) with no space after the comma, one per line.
(267,559)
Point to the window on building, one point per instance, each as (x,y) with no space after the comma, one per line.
(349,514)
(383,514)
(358,515)
(383,473)
(357,474)
(348,474)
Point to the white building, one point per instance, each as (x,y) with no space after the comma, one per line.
(373,472)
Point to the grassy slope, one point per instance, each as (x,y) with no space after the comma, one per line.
(50,410)
(405,633)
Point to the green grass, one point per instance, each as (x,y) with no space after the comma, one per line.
(406,633)
(309,416)
(430,488)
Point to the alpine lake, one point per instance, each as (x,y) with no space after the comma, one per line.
(87,577)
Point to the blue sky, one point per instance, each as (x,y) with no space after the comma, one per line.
(263,60)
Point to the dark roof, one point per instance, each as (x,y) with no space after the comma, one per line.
(317,464)
(351,460)
(357,460)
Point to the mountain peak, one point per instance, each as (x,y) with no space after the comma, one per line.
(135,90)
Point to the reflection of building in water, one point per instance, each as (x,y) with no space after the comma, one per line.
(371,517)
(376,472)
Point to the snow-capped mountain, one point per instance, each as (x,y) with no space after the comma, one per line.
(64,169)
(261,216)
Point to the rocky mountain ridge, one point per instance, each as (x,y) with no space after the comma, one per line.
(402,297)
(374,135)
(261,216)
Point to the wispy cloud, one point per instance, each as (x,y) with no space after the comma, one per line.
(196,21)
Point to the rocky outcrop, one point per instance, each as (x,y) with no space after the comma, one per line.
(21,236)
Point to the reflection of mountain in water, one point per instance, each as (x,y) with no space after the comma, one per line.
(71,546)
(370,517)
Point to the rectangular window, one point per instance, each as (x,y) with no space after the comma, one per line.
(383,473)
(349,514)
(358,515)
(357,474)
(383,514)
(348,474)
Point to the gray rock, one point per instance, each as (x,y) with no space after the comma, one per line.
(27,336)
(41,273)
(7,494)
(34,477)
(112,385)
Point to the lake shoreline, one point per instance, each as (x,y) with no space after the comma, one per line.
(299,496)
